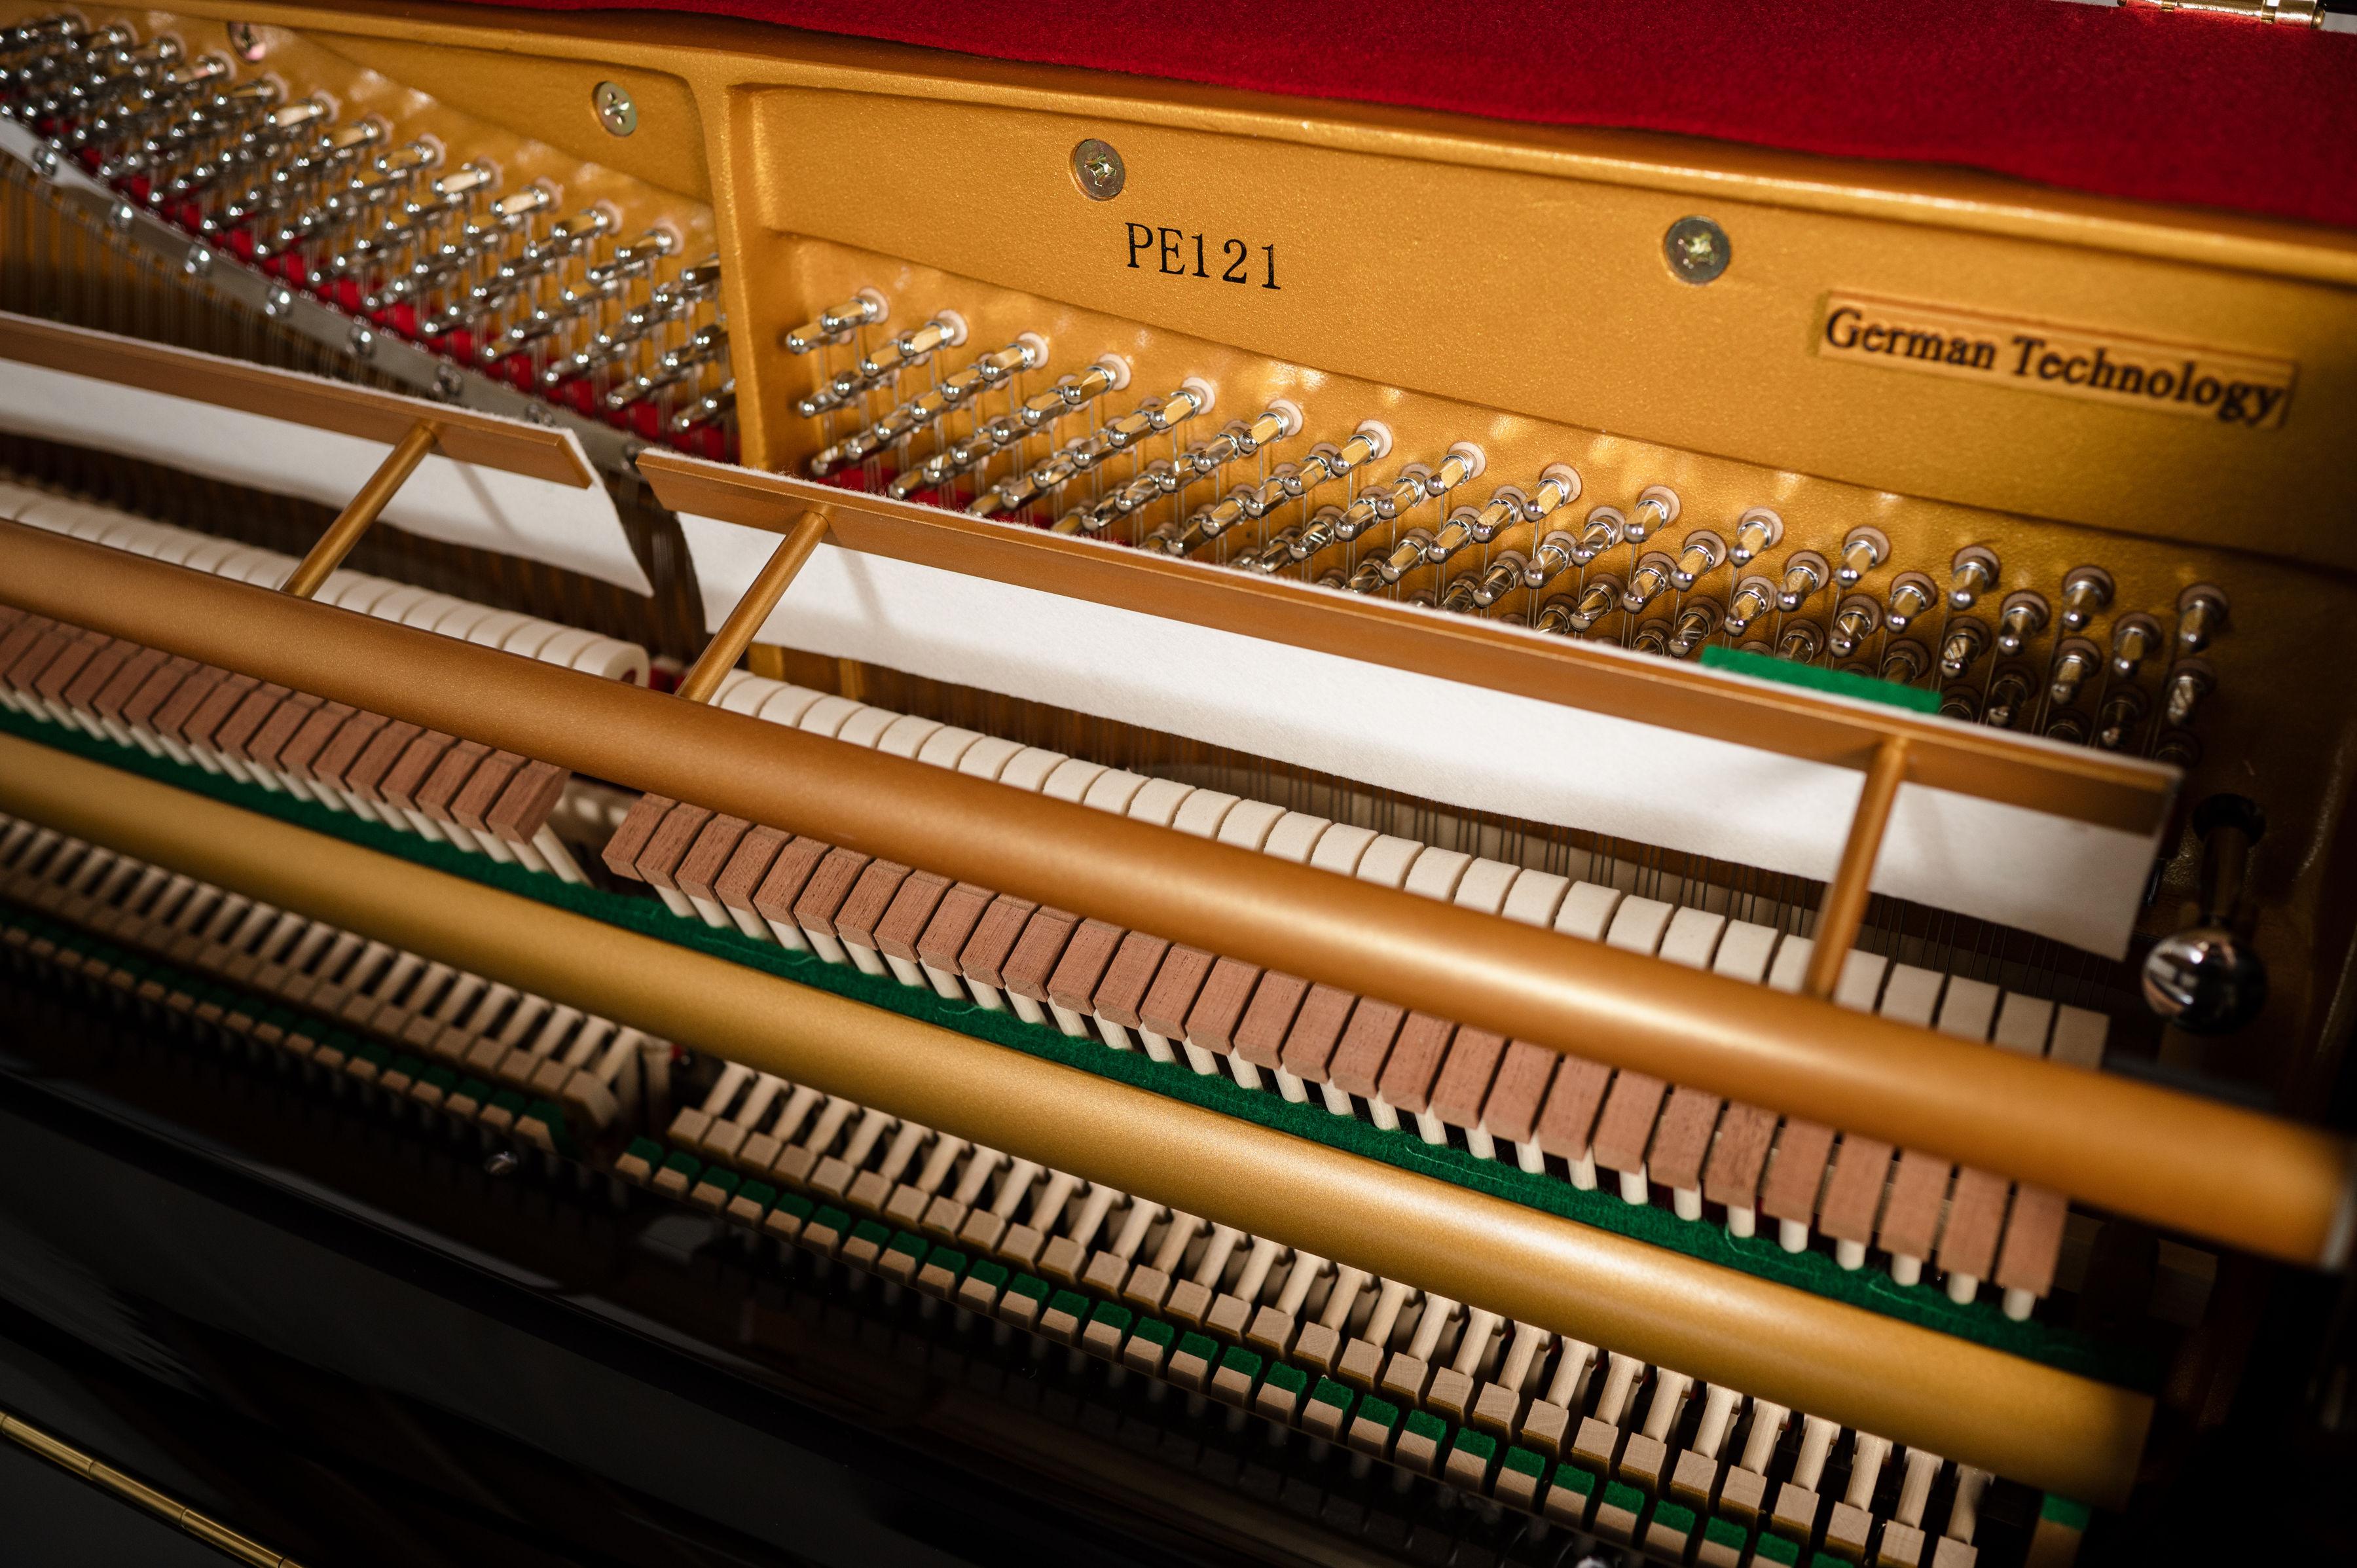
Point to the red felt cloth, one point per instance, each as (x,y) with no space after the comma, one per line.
(2134,102)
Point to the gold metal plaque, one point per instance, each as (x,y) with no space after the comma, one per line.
(2236,390)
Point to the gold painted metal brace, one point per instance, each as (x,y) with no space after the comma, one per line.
(361,511)
(736,633)
(1846,894)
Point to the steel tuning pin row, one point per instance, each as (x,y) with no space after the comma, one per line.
(1288,482)
(1032,416)
(1168,478)
(404,235)
(1028,352)
(1155,417)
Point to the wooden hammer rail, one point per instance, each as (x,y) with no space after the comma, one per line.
(2036,1424)
(2231,1176)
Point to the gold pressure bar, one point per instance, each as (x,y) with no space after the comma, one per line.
(1846,894)
(2235,1176)
(463,436)
(736,633)
(2033,1423)
(362,512)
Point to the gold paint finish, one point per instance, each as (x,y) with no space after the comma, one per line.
(2256,1182)
(1564,339)
(735,634)
(2088,786)
(2046,1428)
(388,418)
(361,513)
(1846,894)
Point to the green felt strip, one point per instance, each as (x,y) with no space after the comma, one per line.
(1925,1304)
(1621,1494)
(1423,1424)
(1523,1462)
(1154,1331)
(2065,1512)
(1671,1516)
(1238,1359)
(1328,1391)
(1287,1376)
(1575,1478)
(871,1232)
(1114,1316)
(758,1192)
(1775,1549)
(1481,1444)
(1835,682)
(1723,1532)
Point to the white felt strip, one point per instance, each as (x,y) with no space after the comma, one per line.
(458,503)
(1466,745)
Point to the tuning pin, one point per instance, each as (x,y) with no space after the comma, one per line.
(1855,618)
(1657,507)
(1605,528)
(1863,549)
(2134,639)
(2201,612)
(1702,553)
(1966,641)
(1756,530)
(1972,574)
(1804,573)
(1905,661)
(2022,616)
(1653,574)
(1458,598)
(1911,593)
(2007,695)
(1386,571)
(2069,728)
(1754,597)
(1697,624)
(1555,554)
(2122,711)
(1801,643)
(1652,638)
(2086,594)
(2189,681)
(1960,703)
(1558,485)
(2179,749)
(1595,601)
(2073,661)
(1499,579)
(838,321)
(1555,616)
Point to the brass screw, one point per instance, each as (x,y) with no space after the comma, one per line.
(246,42)
(614,109)
(1697,250)
(1098,171)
